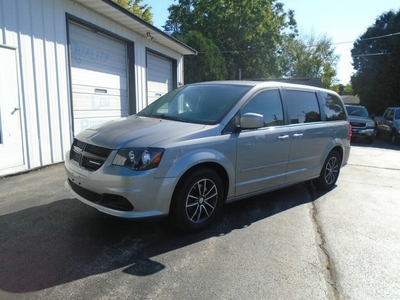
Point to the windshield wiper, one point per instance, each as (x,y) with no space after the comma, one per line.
(172,118)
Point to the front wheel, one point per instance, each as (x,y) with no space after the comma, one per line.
(369,140)
(393,138)
(329,173)
(197,200)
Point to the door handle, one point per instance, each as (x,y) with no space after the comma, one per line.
(15,110)
(283,137)
(297,135)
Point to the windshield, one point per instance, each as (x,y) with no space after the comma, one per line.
(203,104)
(359,111)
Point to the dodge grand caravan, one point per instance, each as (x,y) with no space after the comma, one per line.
(207,144)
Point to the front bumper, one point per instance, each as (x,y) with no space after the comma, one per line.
(119,191)
(368,132)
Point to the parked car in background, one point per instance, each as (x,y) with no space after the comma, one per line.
(206,144)
(388,126)
(363,126)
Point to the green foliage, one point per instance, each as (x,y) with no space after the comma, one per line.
(343,89)
(208,65)
(247,32)
(348,89)
(142,11)
(376,59)
(309,57)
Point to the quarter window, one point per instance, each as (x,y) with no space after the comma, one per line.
(334,109)
(303,107)
(269,104)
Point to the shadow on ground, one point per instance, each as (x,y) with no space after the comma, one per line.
(65,240)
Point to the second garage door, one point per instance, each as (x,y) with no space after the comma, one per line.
(159,76)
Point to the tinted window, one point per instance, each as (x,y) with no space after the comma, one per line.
(303,107)
(268,104)
(334,109)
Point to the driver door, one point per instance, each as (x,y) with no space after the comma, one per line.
(263,153)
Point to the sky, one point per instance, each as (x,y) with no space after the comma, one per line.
(341,20)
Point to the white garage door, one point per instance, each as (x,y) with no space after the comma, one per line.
(159,76)
(99,78)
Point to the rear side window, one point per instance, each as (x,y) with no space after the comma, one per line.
(334,109)
(303,107)
(269,104)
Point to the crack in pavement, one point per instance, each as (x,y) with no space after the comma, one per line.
(324,255)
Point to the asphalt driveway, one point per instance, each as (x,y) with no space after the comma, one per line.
(297,243)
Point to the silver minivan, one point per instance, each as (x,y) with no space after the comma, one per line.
(207,144)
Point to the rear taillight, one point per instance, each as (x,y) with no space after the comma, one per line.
(350,132)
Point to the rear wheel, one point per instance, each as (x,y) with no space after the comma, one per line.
(197,200)
(329,173)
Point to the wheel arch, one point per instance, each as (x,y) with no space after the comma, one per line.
(339,150)
(218,168)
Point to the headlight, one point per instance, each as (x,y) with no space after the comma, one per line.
(370,124)
(139,158)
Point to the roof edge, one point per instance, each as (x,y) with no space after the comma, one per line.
(152,27)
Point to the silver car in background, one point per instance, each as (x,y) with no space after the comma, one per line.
(363,126)
(203,145)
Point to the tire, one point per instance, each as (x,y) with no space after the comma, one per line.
(393,138)
(197,200)
(329,173)
(369,140)
(378,134)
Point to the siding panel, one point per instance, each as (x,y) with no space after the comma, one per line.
(37,28)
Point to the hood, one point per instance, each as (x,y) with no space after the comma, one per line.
(359,119)
(135,131)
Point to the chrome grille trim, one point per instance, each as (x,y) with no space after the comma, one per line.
(88,156)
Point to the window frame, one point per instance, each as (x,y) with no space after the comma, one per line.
(283,108)
(288,104)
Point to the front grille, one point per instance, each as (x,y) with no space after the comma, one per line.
(358,125)
(112,201)
(88,156)
(88,195)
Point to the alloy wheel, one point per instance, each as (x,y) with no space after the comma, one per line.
(201,200)
(331,170)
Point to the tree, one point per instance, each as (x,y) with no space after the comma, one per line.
(142,11)
(247,32)
(309,57)
(208,65)
(376,59)
(343,89)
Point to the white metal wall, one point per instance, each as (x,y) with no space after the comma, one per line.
(37,29)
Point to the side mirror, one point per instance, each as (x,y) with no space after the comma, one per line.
(372,116)
(251,121)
